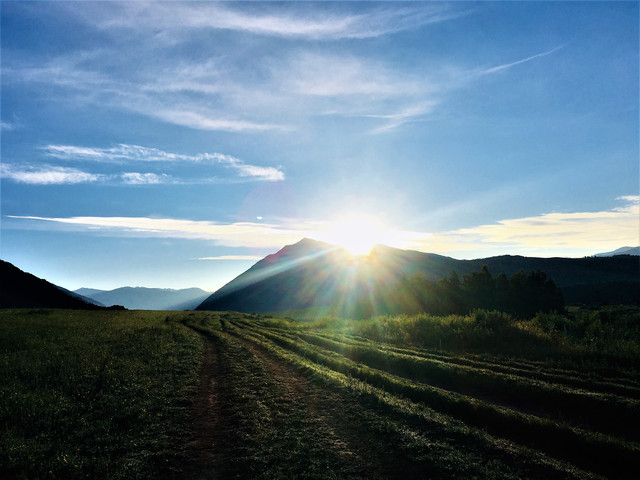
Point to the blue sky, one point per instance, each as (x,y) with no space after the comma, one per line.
(173,144)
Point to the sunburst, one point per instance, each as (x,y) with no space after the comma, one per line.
(357,233)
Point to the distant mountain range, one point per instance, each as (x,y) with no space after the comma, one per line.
(620,251)
(140,298)
(312,274)
(22,290)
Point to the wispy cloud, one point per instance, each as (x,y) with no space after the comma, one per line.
(328,75)
(57,175)
(296,22)
(124,153)
(574,233)
(351,86)
(212,121)
(7,126)
(409,114)
(500,68)
(134,178)
(553,234)
(47,175)
(243,89)
(241,234)
(138,89)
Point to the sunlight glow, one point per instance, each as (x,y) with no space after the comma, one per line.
(356,233)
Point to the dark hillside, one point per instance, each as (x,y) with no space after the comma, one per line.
(23,290)
(315,274)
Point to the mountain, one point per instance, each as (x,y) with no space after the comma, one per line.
(87,292)
(23,290)
(620,251)
(140,298)
(313,274)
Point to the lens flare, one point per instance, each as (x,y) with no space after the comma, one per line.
(356,233)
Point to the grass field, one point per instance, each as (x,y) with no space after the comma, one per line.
(227,395)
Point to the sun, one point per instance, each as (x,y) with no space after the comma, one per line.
(357,233)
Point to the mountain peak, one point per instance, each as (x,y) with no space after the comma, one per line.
(310,243)
(304,247)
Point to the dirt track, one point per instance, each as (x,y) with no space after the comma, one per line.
(334,422)
(202,456)
(317,431)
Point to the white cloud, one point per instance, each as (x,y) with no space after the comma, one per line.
(238,91)
(243,88)
(138,91)
(124,153)
(199,121)
(409,114)
(48,175)
(296,21)
(241,234)
(553,234)
(340,75)
(350,86)
(134,178)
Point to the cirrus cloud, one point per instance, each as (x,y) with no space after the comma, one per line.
(47,175)
(124,153)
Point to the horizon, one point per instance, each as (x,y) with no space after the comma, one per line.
(357,257)
(228,131)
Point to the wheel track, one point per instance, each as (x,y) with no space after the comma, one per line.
(202,454)
(348,438)
(625,457)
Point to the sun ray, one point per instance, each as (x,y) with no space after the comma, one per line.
(357,233)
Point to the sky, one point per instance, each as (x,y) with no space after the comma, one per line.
(174,144)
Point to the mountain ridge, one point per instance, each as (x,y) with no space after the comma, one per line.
(145,298)
(311,273)
(620,251)
(20,289)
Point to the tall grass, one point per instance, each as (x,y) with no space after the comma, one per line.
(603,341)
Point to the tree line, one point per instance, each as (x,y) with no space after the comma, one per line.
(521,295)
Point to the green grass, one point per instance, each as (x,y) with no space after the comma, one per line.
(541,433)
(112,394)
(610,412)
(427,440)
(93,394)
(267,434)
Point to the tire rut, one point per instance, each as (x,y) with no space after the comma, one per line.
(333,418)
(201,456)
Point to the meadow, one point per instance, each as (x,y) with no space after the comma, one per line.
(226,395)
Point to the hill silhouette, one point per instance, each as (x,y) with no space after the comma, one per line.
(620,251)
(315,274)
(141,298)
(23,290)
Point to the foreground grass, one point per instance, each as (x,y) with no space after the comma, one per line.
(93,394)
(114,395)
